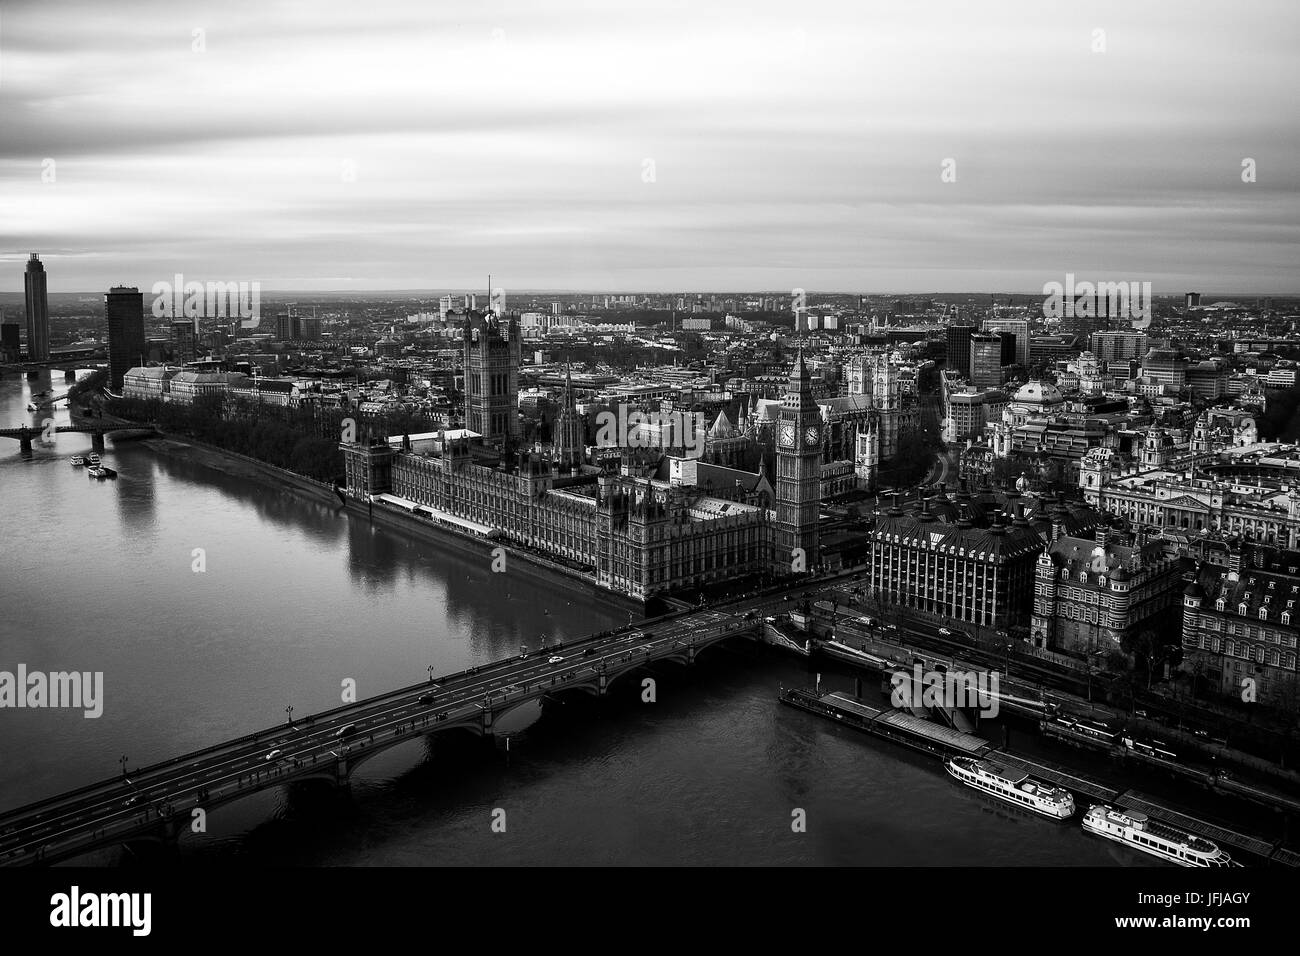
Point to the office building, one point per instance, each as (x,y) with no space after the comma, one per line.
(38,311)
(986,352)
(1119,346)
(958,337)
(124,309)
(1019,328)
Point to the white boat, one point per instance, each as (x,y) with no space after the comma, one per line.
(77,461)
(1150,836)
(1013,786)
(93,458)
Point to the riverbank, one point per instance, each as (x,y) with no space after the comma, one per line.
(241,466)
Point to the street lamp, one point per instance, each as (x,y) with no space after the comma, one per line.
(430,673)
(289,710)
(122,761)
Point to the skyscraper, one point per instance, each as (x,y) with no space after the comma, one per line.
(1017,327)
(38,311)
(124,309)
(798,474)
(959,348)
(986,359)
(492,358)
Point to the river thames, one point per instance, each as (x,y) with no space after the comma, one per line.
(298,597)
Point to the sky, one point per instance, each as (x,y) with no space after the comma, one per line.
(621,146)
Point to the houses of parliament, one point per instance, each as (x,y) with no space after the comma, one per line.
(638,524)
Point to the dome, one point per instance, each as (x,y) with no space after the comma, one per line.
(1039,393)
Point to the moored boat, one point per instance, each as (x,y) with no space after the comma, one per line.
(77,461)
(1139,831)
(1013,786)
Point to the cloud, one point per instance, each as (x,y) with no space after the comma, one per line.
(421,145)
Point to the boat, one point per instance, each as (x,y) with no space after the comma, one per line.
(77,461)
(1013,786)
(93,458)
(108,472)
(1151,836)
(96,472)
(31,407)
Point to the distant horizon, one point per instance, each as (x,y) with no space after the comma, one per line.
(1207,297)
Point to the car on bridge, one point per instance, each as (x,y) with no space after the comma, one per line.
(945,632)
(347,731)
(555,659)
(273,754)
(425,699)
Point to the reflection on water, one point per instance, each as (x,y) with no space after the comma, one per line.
(298,596)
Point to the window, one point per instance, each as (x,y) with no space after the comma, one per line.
(1241,608)
(1263,614)
(1218,605)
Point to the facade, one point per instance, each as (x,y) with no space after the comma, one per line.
(1092,593)
(492,358)
(958,338)
(986,350)
(1119,346)
(124,309)
(798,474)
(1018,328)
(983,576)
(1252,490)
(970,411)
(1240,624)
(38,311)
(638,536)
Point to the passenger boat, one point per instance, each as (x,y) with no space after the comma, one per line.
(97,472)
(108,472)
(1013,786)
(1150,836)
(93,458)
(77,461)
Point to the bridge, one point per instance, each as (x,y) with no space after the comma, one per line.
(26,433)
(157,803)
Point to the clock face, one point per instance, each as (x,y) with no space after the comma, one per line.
(810,436)
(787,434)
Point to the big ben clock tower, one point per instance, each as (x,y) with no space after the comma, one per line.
(798,475)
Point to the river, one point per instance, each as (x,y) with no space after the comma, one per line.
(297,597)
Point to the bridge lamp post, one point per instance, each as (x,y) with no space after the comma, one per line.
(122,761)
(430,673)
(289,710)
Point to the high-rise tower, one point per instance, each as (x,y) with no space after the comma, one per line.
(38,311)
(492,357)
(798,475)
(124,309)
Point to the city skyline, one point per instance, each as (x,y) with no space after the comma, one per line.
(746,149)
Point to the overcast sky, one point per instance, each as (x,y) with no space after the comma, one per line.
(661,145)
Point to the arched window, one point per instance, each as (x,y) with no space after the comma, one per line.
(1219,605)
(1286,617)
(1083,577)
(1241,608)
(1263,614)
